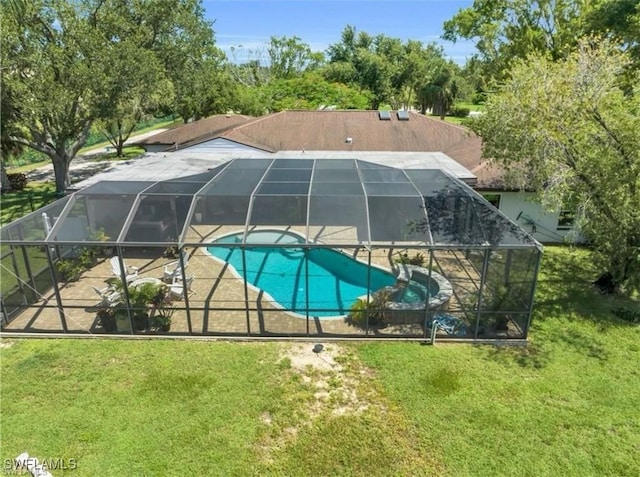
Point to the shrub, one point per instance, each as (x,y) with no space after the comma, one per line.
(418,259)
(107,319)
(460,112)
(70,269)
(627,314)
(480,98)
(17,181)
(376,309)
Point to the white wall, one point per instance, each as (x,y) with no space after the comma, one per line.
(528,214)
(219,145)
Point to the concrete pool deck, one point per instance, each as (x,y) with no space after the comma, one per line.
(217,304)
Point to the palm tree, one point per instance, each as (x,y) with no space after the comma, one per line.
(438,94)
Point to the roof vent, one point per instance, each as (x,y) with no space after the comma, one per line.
(349,140)
(384,115)
(403,115)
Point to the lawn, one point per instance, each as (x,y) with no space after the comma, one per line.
(17,204)
(567,404)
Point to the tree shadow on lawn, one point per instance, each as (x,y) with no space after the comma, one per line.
(537,355)
(565,290)
(566,297)
(533,355)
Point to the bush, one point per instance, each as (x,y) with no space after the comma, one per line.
(460,112)
(418,259)
(480,98)
(375,309)
(627,314)
(17,181)
(70,269)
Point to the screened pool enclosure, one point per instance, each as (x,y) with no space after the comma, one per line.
(270,248)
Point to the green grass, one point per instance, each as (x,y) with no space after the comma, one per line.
(567,404)
(137,408)
(19,203)
(27,167)
(564,405)
(163,124)
(470,105)
(129,152)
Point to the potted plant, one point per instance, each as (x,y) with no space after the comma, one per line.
(70,269)
(163,317)
(375,309)
(100,236)
(107,319)
(122,319)
(170,252)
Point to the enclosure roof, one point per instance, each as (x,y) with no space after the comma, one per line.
(332,202)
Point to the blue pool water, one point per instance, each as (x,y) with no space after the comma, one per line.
(336,280)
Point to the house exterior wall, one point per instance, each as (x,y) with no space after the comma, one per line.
(528,214)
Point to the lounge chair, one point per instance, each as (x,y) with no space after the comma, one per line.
(131,272)
(108,295)
(172,270)
(449,324)
(176,289)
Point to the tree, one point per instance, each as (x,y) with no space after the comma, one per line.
(568,129)
(70,63)
(619,20)
(51,62)
(9,118)
(419,64)
(136,88)
(506,30)
(184,40)
(440,92)
(389,70)
(312,91)
(290,57)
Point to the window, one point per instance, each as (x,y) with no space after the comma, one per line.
(493,199)
(565,219)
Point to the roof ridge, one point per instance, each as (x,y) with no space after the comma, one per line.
(256,120)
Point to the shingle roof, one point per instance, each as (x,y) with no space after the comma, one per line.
(330,130)
(201,130)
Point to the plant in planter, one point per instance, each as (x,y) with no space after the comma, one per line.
(141,298)
(100,236)
(170,252)
(375,309)
(140,320)
(418,259)
(163,317)
(70,269)
(107,319)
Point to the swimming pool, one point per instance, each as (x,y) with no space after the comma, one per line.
(335,282)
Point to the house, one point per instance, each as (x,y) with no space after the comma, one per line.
(341,133)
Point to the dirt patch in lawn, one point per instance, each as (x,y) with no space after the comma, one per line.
(5,344)
(334,376)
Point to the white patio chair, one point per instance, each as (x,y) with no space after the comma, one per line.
(131,272)
(108,295)
(172,270)
(176,289)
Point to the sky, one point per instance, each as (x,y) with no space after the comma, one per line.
(319,23)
